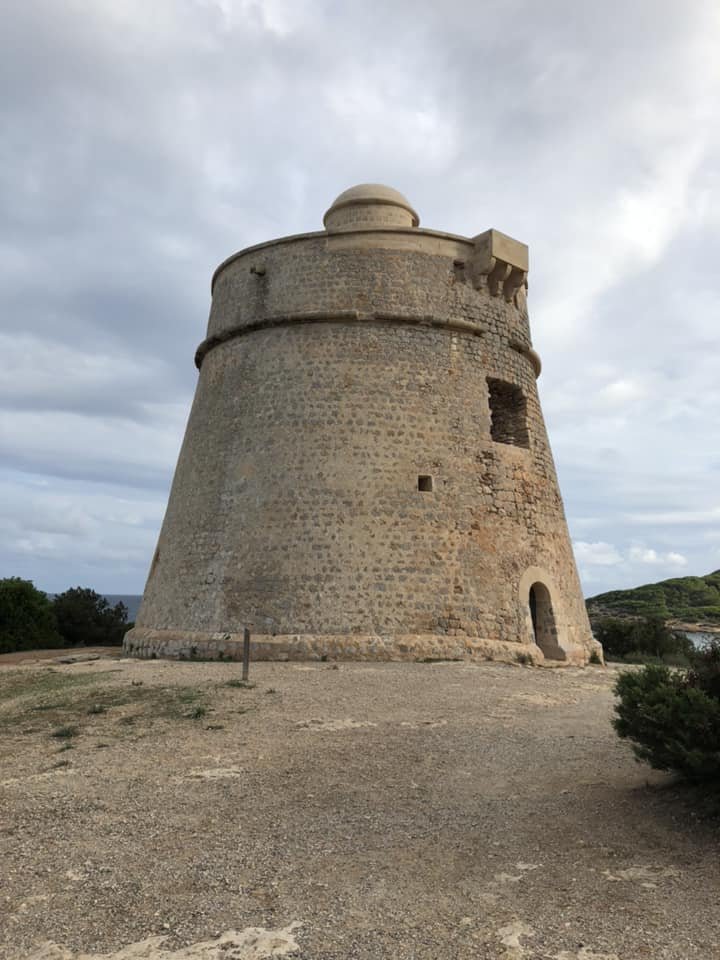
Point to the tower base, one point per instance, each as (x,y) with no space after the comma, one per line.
(186,645)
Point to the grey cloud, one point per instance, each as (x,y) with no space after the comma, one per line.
(141,147)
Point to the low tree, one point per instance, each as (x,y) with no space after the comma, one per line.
(27,619)
(616,636)
(649,636)
(672,717)
(704,672)
(84,617)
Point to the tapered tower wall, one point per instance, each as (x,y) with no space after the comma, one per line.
(366,471)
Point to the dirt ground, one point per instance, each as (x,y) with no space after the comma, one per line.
(339,812)
(33,656)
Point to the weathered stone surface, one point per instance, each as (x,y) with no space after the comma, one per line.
(184,645)
(341,487)
(78,658)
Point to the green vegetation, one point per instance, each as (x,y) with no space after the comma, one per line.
(43,686)
(64,732)
(29,620)
(672,717)
(66,702)
(637,640)
(196,713)
(693,599)
(84,617)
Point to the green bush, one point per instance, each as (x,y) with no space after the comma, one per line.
(85,617)
(636,640)
(642,658)
(705,671)
(672,717)
(27,619)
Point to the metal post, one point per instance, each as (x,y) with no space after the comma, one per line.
(246,654)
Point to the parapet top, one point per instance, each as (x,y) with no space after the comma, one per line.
(373,215)
(370,205)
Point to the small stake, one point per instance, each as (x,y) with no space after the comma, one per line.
(246,654)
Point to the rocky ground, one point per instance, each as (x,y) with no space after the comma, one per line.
(339,812)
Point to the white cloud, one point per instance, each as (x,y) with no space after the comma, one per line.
(620,392)
(653,558)
(676,518)
(604,566)
(369,106)
(596,554)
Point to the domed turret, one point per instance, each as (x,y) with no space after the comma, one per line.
(370,205)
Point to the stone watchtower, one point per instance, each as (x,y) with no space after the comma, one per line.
(365,472)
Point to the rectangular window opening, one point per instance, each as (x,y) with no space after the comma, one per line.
(425,484)
(508,413)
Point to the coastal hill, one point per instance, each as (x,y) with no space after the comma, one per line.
(690,600)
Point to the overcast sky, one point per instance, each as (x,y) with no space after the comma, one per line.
(143,142)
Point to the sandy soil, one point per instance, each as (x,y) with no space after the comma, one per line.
(35,656)
(354,811)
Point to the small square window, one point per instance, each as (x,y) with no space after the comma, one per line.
(425,484)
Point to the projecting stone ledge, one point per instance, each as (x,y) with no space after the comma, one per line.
(502,260)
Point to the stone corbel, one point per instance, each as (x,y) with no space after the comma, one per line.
(502,261)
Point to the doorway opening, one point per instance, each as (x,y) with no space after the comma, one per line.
(545,631)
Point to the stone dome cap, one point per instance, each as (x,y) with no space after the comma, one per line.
(370,205)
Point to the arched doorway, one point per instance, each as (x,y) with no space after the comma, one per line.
(543,622)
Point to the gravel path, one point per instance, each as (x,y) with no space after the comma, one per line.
(339,812)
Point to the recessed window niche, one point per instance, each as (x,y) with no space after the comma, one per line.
(508,413)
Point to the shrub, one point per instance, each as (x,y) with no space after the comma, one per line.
(642,658)
(64,732)
(705,671)
(676,660)
(27,620)
(85,617)
(623,639)
(672,717)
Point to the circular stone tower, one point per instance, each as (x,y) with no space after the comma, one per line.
(365,472)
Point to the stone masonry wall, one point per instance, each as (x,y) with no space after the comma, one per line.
(334,381)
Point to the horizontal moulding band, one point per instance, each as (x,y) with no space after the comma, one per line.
(337,316)
(527,351)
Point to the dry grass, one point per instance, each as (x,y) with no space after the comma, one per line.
(440,811)
(67,704)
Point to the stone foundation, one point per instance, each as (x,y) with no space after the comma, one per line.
(175,645)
